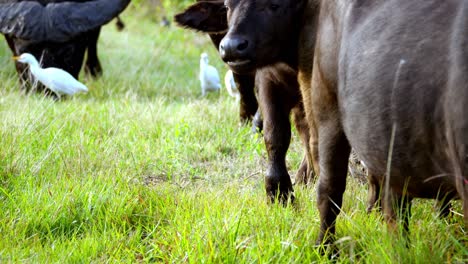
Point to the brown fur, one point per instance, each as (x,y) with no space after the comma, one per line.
(358,99)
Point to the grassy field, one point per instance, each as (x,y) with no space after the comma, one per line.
(143,169)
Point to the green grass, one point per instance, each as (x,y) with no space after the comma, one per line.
(143,169)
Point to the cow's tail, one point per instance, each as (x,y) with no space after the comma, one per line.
(119,24)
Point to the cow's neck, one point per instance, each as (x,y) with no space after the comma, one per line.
(322,20)
(307,39)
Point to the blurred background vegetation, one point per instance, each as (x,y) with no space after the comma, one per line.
(156,9)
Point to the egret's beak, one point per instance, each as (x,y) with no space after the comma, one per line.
(15,58)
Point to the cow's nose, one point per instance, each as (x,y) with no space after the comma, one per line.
(233,47)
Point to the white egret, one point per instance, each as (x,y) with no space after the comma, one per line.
(57,80)
(209,76)
(231,85)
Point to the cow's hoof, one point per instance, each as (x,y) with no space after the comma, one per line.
(257,123)
(256,130)
(279,188)
(284,198)
(304,176)
(93,70)
(327,247)
(245,119)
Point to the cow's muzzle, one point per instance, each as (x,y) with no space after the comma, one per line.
(236,51)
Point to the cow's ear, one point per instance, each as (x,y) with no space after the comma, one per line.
(206,16)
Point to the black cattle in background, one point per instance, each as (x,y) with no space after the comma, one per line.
(57,33)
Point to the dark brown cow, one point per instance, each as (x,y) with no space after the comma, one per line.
(194,17)
(278,95)
(387,78)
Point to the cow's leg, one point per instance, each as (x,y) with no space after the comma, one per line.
(277,134)
(257,122)
(11,45)
(93,65)
(248,102)
(305,84)
(21,68)
(305,173)
(462,188)
(119,23)
(313,145)
(334,152)
(465,208)
(396,207)
(373,195)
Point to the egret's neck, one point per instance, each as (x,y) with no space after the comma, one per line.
(34,67)
(33,62)
(203,64)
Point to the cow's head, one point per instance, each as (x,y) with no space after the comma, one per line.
(55,31)
(257,33)
(205,16)
(260,32)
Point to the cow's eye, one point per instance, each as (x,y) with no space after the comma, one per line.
(274,7)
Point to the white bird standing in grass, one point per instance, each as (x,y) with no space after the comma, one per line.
(231,85)
(209,76)
(57,80)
